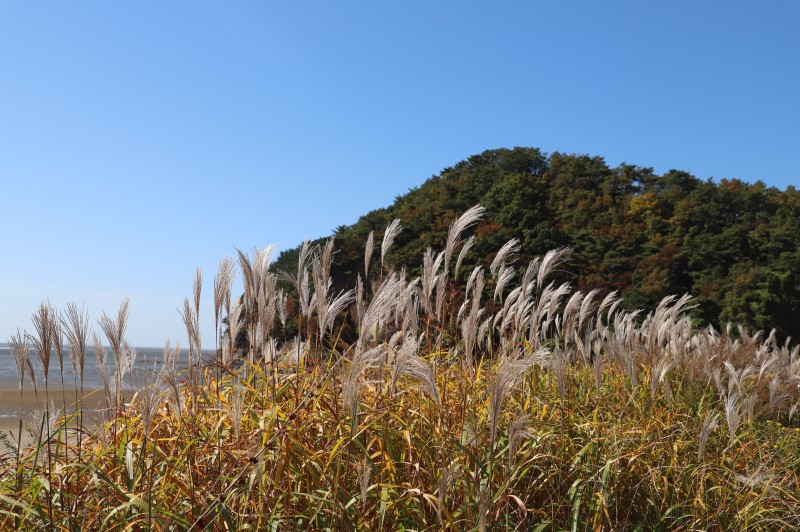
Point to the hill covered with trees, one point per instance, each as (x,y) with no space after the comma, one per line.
(731,244)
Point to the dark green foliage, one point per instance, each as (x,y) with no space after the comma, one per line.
(733,245)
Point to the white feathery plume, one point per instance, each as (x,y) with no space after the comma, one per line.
(223,280)
(506,274)
(408,364)
(510,372)
(463,253)
(368,250)
(552,259)
(351,384)
(430,274)
(708,427)
(18,344)
(461,224)
(508,250)
(732,414)
(76,326)
(383,304)
(389,235)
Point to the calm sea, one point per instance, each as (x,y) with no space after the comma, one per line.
(147,360)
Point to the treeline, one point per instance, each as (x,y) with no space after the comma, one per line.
(733,245)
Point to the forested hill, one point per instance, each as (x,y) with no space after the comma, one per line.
(735,246)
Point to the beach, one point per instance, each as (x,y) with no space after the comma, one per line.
(12,406)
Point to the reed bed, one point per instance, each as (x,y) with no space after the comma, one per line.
(467,401)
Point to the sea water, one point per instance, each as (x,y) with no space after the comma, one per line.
(148,360)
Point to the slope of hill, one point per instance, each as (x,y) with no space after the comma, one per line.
(731,244)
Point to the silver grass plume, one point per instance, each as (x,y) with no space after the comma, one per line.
(598,364)
(441,286)
(301,280)
(737,377)
(518,431)
(47,417)
(222,288)
(146,396)
(708,427)
(774,397)
(389,235)
(234,325)
(463,253)
(750,406)
(332,308)
(552,260)
(58,343)
(505,253)
(280,301)
(410,308)
(508,375)
(733,414)
(168,376)
(360,302)
(18,343)
(100,353)
(659,374)
(461,224)
(196,289)
(430,274)
(408,364)
(192,329)
(170,360)
(383,304)
(368,251)
(248,280)
(235,408)
(505,275)
(114,329)
(327,308)
(363,472)
(43,322)
(588,308)
(470,324)
(124,366)
(266,304)
(608,303)
(76,327)
(351,385)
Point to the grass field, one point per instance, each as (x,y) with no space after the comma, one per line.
(492,400)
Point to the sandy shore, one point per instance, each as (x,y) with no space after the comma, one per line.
(93,401)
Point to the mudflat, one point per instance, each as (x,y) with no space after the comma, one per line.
(14,405)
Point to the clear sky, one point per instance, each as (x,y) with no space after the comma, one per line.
(141,140)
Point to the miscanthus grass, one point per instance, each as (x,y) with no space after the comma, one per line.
(499,399)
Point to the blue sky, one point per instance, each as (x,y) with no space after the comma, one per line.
(141,140)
